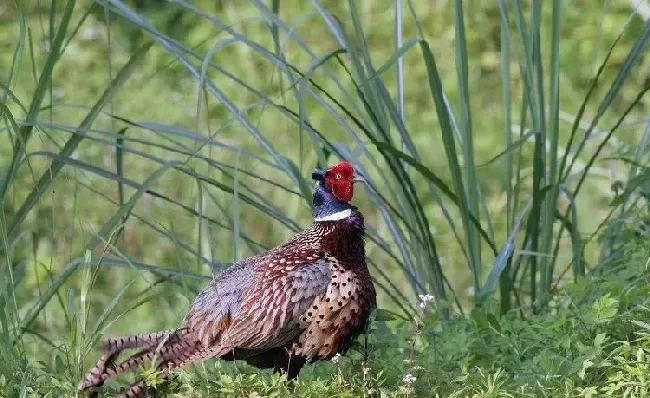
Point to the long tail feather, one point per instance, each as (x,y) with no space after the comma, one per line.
(94,378)
(105,368)
(178,350)
(166,354)
(145,340)
(183,358)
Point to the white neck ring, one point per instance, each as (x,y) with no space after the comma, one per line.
(336,216)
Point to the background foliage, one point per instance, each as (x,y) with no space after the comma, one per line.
(149,143)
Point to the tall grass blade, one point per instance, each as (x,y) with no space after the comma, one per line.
(73,142)
(506,286)
(19,46)
(471,183)
(435,87)
(440,184)
(104,234)
(37,99)
(399,40)
(550,203)
(630,60)
(119,169)
(504,256)
(577,245)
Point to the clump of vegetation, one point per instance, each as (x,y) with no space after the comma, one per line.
(592,342)
(149,144)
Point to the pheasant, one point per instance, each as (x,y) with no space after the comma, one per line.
(305,300)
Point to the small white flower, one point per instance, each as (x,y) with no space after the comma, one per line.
(409,379)
(425,299)
(336,358)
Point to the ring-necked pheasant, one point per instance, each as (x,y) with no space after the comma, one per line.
(305,300)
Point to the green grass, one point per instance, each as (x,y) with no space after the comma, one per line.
(593,341)
(146,147)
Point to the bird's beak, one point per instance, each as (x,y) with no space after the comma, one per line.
(358,179)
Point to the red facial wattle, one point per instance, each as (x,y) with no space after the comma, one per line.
(340,179)
(342,190)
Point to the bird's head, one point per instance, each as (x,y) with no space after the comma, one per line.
(339,179)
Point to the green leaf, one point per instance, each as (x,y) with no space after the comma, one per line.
(641,324)
(480,318)
(600,339)
(492,320)
(383,315)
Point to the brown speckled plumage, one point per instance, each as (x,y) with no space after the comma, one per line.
(305,300)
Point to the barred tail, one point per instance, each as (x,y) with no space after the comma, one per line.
(169,349)
(145,340)
(105,369)
(182,358)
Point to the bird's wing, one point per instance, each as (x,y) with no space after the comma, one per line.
(214,307)
(272,307)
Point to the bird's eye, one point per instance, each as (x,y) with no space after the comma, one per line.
(338,176)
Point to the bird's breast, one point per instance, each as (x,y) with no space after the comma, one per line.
(345,242)
(337,315)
